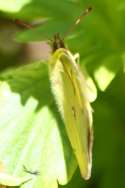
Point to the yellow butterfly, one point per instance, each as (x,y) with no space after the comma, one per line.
(70,91)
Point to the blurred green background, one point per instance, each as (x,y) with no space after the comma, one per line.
(31,130)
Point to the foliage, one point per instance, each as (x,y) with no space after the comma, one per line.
(31,130)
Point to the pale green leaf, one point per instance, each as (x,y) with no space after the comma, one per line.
(31,131)
(13,5)
(9,180)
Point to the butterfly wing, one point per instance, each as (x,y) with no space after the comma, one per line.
(69,88)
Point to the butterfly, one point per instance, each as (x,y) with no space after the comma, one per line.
(69,88)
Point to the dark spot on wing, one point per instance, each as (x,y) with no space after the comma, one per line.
(74,112)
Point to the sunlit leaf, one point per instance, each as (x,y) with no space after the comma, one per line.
(31,131)
(13,5)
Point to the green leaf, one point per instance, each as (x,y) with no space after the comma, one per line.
(44,32)
(106,72)
(95,45)
(31,131)
(13,5)
(9,180)
(100,41)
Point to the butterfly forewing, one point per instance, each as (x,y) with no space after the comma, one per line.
(69,88)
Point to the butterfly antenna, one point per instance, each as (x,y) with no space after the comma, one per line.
(79,18)
(23,24)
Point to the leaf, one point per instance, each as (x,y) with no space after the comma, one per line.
(9,180)
(31,131)
(105,73)
(13,5)
(94,45)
